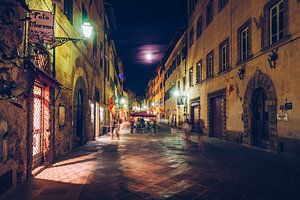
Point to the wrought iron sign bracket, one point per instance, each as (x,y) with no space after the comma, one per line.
(59,41)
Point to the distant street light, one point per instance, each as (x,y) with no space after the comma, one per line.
(176,93)
(123,100)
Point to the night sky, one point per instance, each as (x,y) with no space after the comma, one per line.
(144,30)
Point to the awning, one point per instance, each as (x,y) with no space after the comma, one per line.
(46,78)
(142,114)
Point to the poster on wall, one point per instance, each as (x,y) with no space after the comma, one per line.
(61,115)
(41,27)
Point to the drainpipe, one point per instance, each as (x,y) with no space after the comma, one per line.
(53,95)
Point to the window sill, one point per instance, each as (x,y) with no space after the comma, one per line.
(274,45)
(240,62)
(224,71)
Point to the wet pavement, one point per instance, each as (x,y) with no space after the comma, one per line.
(164,166)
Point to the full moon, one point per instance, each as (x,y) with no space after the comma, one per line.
(149,56)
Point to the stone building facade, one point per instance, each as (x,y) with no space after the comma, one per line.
(244,58)
(156,105)
(65,86)
(175,80)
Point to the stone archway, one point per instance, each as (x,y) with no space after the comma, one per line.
(79,113)
(260,82)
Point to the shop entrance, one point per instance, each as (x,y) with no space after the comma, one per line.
(41,125)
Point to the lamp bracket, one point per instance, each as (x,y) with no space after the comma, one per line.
(59,41)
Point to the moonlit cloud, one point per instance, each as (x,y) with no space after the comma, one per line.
(155,51)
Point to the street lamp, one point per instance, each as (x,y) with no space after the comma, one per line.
(176,93)
(87,30)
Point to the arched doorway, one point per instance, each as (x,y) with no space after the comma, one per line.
(79,120)
(79,113)
(259,125)
(260,112)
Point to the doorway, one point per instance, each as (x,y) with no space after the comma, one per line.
(260,112)
(79,120)
(217,114)
(259,128)
(217,119)
(195,115)
(41,125)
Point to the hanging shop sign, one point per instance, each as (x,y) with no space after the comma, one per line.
(41,27)
(181,100)
(282,116)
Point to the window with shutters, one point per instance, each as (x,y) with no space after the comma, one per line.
(68,10)
(191,77)
(244,41)
(224,55)
(199,26)
(199,72)
(210,65)
(209,12)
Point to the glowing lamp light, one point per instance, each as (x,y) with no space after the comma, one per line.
(87,29)
(176,93)
(153,104)
(123,101)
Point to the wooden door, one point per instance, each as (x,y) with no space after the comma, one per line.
(217,119)
(196,118)
(259,127)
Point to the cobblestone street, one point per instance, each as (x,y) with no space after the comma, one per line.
(163,166)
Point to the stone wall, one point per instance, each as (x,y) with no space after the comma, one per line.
(284,76)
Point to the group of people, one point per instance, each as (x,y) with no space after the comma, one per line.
(141,126)
(187,128)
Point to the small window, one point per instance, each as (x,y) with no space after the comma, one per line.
(199,72)
(222,4)
(184,83)
(178,85)
(224,55)
(68,10)
(95,48)
(209,12)
(210,65)
(191,76)
(276,22)
(199,26)
(244,41)
(84,14)
(192,37)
